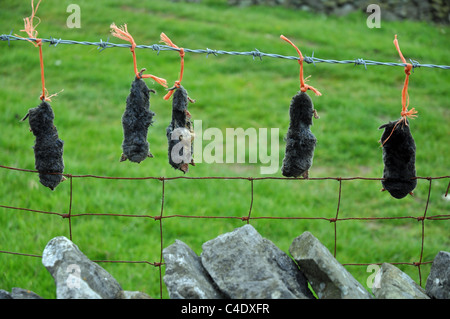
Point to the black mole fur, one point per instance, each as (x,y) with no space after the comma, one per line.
(300,141)
(399,157)
(181,124)
(135,122)
(48,148)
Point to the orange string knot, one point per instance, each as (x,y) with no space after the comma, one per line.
(122,33)
(405,97)
(165,39)
(411,113)
(408,68)
(181,52)
(303,86)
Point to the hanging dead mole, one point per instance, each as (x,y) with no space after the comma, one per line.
(135,122)
(399,157)
(180,132)
(300,141)
(48,148)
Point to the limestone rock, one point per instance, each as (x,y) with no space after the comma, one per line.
(244,265)
(134,295)
(19,293)
(392,283)
(185,277)
(431,10)
(438,282)
(5,295)
(77,277)
(328,278)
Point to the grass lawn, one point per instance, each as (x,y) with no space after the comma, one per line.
(230,92)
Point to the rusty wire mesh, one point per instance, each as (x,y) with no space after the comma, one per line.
(246,216)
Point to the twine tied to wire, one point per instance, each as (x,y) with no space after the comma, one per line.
(122,33)
(30,29)
(405,113)
(303,86)
(167,41)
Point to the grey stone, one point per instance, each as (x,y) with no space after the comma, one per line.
(391,283)
(77,277)
(315,5)
(20,293)
(244,265)
(438,282)
(5,295)
(185,277)
(134,295)
(346,9)
(328,278)
(392,10)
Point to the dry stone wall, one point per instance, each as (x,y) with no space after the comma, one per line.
(426,10)
(240,264)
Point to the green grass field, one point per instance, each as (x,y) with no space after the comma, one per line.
(230,92)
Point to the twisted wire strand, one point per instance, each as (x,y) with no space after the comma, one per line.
(102,45)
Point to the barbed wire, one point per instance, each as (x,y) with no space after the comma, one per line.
(102,45)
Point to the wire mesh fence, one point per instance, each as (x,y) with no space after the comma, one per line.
(245,216)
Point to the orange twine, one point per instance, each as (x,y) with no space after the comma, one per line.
(122,33)
(303,86)
(167,41)
(405,97)
(30,29)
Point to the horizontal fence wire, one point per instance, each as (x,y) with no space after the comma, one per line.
(246,217)
(101,45)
